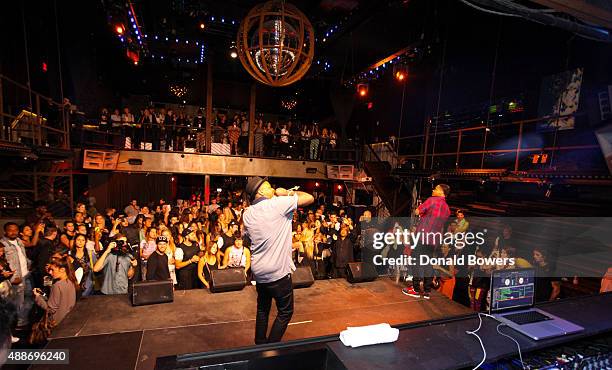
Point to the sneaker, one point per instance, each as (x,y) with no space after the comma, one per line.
(411,292)
(426,295)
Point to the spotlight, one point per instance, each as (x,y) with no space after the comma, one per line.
(202,25)
(362,89)
(317,184)
(233,51)
(339,187)
(400,72)
(119,29)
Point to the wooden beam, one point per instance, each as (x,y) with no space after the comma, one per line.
(209,104)
(252,117)
(218,165)
(207,189)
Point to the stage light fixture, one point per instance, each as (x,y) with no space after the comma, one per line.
(202,25)
(317,184)
(119,29)
(339,187)
(362,89)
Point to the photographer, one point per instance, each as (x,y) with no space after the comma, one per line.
(118,265)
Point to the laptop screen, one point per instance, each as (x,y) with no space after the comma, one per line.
(512,289)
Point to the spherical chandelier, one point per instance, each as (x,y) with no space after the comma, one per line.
(276,43)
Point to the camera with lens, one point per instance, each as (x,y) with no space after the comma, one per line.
(122,248)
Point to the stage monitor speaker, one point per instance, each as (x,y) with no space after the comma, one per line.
(359,272)
(151,292)
(227,280)
(302,277)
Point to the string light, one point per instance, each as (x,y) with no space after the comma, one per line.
(375,72)
(136,42)
(178,90)
(289,103)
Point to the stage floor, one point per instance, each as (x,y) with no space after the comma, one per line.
(107,332)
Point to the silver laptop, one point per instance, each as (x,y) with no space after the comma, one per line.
(512,299)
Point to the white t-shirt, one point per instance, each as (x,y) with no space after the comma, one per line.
(267,222)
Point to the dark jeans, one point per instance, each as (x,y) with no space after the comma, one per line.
(282,292)
(424,272)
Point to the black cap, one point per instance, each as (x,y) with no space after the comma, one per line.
(187,231)
(161,239)
(253,185)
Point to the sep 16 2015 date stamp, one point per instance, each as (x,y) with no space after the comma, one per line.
(38,356)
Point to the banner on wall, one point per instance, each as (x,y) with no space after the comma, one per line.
(559,97)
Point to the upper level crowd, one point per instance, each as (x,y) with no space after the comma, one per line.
(164,129)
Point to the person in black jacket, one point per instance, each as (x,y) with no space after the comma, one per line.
(45,249)
(343,252)
(157,264)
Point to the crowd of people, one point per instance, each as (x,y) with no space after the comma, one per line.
(101,251)
(164,129)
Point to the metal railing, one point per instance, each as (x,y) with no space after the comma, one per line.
(34,124)
(192,139)
(31,118)
(504,145)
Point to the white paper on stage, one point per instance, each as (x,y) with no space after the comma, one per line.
(367,335)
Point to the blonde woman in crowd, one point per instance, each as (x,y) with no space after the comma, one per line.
(223,222)
(308,239)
